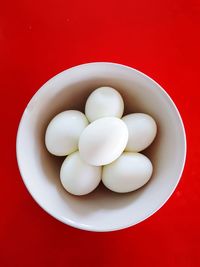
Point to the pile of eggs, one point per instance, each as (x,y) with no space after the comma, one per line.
(101,145)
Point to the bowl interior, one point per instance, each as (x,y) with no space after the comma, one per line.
(102,210)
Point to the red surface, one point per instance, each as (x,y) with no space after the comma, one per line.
(41,38)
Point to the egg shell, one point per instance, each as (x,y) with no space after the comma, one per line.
(78,177)
(104,102)
(103,141)
(142,130)
(128,173)
(63,132)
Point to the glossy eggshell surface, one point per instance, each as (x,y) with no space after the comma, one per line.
(142,130)
(63,132)
(128,173)
(78,177)
(103,141)
(104,102)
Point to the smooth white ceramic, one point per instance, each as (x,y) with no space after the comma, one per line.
(102,210)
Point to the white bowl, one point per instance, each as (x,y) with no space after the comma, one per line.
(101,210)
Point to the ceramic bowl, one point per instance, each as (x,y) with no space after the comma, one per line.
(101,210)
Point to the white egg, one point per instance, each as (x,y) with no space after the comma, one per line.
(104,102)
(142,131)
(103,141)
(128,173)
(63,132)
(78,177)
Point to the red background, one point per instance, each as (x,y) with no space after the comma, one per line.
(38,39)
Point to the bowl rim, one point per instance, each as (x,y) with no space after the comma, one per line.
(84,226)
